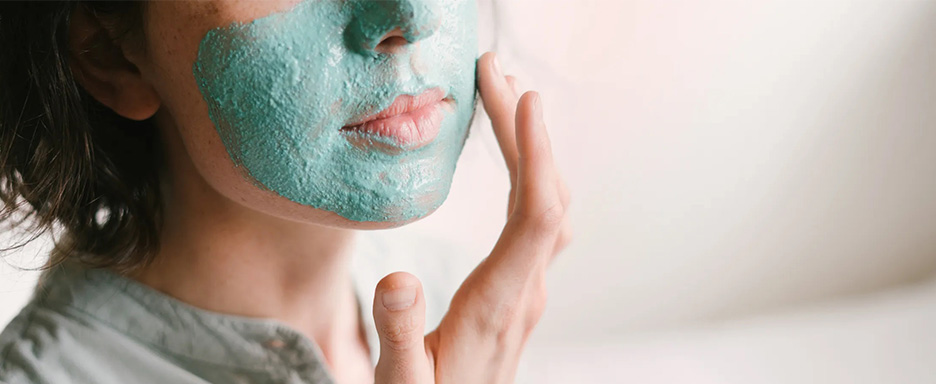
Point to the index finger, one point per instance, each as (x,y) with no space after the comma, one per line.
(507,288)
(500,104)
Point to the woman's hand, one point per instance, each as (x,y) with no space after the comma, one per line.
(492,314)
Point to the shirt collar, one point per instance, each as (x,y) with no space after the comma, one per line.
(184,331)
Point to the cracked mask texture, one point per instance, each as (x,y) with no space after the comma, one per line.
(280,88)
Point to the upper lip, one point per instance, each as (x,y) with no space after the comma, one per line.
(401,105)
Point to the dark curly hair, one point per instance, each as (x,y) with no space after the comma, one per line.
(69,165)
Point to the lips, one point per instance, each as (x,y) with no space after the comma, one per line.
(410,122)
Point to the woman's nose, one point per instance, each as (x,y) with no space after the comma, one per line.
(389,26)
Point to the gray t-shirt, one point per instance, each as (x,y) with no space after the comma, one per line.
(94,326)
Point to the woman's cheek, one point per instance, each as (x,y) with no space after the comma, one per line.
(280,88)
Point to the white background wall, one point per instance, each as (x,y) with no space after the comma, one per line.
(727,158)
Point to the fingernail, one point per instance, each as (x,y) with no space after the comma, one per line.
(497,67)
(399,299)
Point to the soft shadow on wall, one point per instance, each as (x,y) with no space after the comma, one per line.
(732,158)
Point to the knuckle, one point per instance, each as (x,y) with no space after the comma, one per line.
(500,320)
(565,238)
(566,199)
(537,308)
(547,220)
(564,194)
(509,323)
(400,335)
(536,313)
(501,323)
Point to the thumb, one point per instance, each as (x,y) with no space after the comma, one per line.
(400,317)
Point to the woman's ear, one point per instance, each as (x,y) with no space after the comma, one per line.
(99,63)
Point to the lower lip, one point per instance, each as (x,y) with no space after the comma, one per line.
(403,132)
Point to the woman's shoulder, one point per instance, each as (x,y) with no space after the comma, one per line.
(46,345)
(49,343)
(92,326)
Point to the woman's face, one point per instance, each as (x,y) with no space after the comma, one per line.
(285,106)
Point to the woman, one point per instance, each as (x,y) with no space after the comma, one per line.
(208,164)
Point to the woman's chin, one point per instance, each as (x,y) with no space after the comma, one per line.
(399,215)
(350,214)
(390,223)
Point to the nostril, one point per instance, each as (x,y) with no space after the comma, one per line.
(391,42)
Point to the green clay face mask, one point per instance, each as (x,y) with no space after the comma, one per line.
(281,91)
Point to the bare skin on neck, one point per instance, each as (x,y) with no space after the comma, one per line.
(222,256)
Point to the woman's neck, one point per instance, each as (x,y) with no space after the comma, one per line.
(215,258)
(221,256)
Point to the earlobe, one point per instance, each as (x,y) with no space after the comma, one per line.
(101,68)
